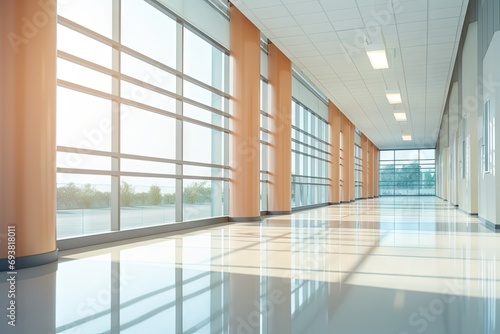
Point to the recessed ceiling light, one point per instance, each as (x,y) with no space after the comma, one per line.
(400,116)
(378,58)
(393,97)
(406,137)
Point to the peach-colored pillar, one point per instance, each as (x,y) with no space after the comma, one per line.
(334,120)
(348,163)
(244,144)
(370,169)
(365,167)
(28,130)
(375,170)
(280,148)
(350,152)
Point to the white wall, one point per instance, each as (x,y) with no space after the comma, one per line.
(462,168)
(452,135)
(442,160)
(443,172)
(469,198)
(489,185)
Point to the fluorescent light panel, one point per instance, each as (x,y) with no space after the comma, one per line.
(378,58)
(394,97)
(400,116)
(406,137)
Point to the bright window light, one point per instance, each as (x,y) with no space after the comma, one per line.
(400,116)
(378,58)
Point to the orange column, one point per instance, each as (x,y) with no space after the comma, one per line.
(370,169)
(375,171)
(280,148)
(244,144)
(364,166)
(348,167)
(334,120)
(28,130)
(352,194)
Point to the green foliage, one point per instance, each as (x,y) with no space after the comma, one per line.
(197,193)
(70,196)
(169,198)
(127,194)
(155,194)
(407,177)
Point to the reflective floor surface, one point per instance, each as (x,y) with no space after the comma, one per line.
(379,266)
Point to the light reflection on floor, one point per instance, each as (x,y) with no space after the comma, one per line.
(380,266)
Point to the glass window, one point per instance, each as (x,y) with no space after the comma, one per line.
(133,165)
(148,31)
(406,155)
(147,97)
(83,120)
(82,161)
(146,202)
(83,76)
(82,46)
(203,115)
(203,61)
(147,134)
(138,119)
(204,96)
(202,199)
(415,175)
(92,14)
(146,72)
(202,144)
(83,204)
(309,158)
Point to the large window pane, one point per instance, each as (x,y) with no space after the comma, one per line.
(202,144)
(132,165)
(407,174)
(95,15)
(146,72)
(310,164)
(203,61)
(148,97)
(204,96)
(83,46)
(203,115)
(148,31)
(83,76)
(83,120)
(202,199)
(146,201)
(147,133)
(83,204)
(82,161)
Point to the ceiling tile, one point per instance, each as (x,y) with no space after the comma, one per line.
(305,8)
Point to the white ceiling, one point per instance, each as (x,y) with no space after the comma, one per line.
(324,39)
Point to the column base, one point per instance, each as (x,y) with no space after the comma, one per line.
(278,213)
(29,261)
(244,219)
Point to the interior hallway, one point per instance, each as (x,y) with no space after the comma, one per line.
(387,265)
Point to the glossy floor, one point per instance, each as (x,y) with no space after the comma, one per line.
(380,266)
